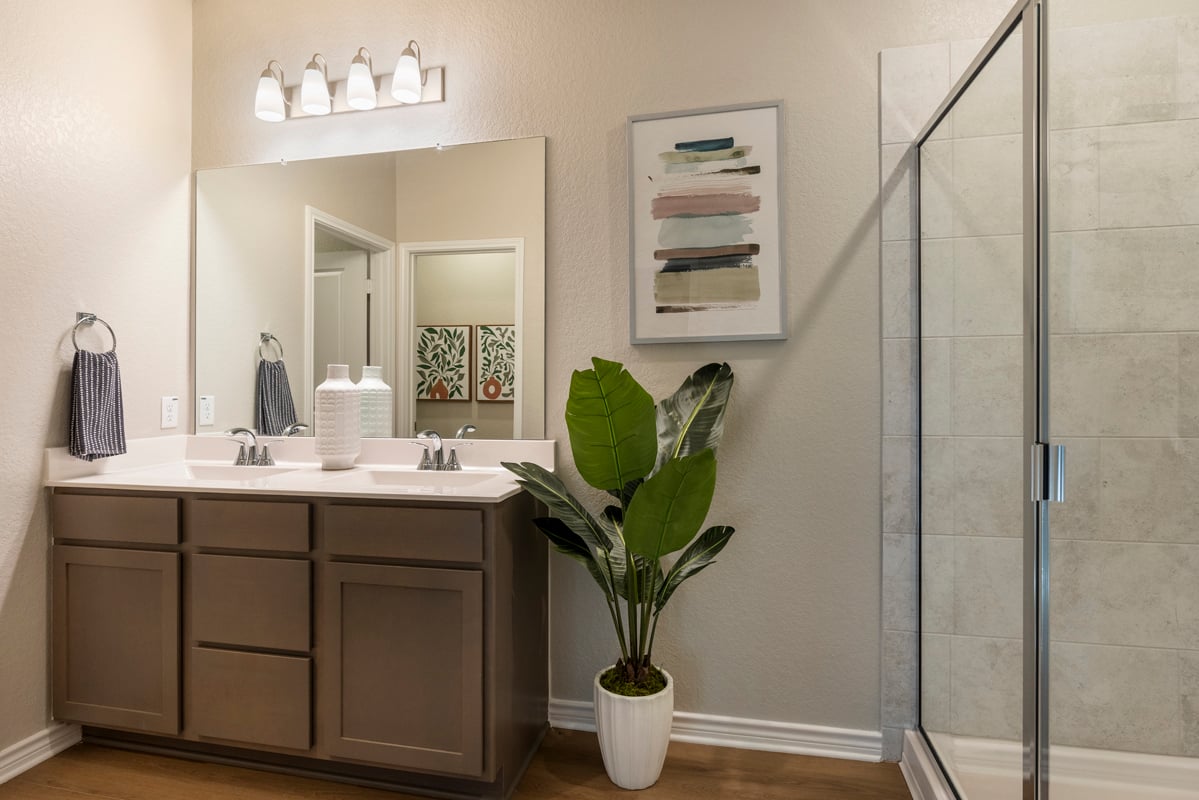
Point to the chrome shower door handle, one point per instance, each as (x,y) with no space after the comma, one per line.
(1048,473)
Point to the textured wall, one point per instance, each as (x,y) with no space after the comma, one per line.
(94,216)
(787,625)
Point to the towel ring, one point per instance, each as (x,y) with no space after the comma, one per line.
(264,339)
(84,318)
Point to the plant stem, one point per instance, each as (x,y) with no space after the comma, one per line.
(631,577)
(614,609)
(647,609)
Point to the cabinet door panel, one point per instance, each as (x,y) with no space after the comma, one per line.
(102,518)
(116,638)
(249,525)
(251,697)
(404,681)
(253,602)
(451,534)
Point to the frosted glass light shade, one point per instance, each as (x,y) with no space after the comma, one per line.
(268,101)
(314,92)
(405,84)
(360,87)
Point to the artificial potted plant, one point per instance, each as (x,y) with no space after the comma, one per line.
(659,465)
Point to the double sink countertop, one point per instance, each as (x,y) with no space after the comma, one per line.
(386,468)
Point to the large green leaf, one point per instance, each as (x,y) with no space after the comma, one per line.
(611,422)
(670,507)
(570,543)
(693,560)
(692,419)
(549,489)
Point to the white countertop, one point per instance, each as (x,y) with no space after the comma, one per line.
(384,470)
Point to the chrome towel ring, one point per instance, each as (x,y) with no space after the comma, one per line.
(87,318)
(264,340)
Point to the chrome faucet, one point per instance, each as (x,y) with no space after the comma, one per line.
(465,429)
(247,454)
(434,457)
(294,428)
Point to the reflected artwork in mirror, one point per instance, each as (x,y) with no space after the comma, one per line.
(344,260)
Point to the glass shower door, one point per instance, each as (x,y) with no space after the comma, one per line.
(973,334)
(1124,398)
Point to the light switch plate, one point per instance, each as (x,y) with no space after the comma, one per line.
(170,412)
(207,409)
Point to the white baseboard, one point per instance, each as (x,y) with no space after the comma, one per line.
(921,771)
(35,749)
(739,732)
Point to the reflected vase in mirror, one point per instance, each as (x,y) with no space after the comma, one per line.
(336,423)
(375,397)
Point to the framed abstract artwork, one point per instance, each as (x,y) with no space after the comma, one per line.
(705,234)
(443,357)
(495,363)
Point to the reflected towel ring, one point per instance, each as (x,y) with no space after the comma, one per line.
(86,318)
(265,339)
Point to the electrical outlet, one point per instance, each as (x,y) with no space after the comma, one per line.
(207,409)
(170,412)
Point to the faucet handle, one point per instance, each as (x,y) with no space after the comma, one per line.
(265,459)
(425,461)
(243,456)
(453,464)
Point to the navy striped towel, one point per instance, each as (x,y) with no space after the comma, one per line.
(273,407)
(97,414)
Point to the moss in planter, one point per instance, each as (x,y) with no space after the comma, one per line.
(617,683)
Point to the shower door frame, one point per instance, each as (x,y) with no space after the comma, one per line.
(1028,16)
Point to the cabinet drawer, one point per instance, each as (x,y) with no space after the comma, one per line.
(144,520)
(253,602)
(249,525)
(251,697)
(431,534)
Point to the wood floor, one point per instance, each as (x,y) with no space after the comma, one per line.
(567,766)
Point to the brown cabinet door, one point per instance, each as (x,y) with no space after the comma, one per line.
(403,680)
(116,638)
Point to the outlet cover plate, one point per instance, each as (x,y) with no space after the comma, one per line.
(207,409)
(170,412)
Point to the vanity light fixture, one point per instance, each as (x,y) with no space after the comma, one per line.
(317,96)
(361,94)
(406,82)
(269,103)
(314,90)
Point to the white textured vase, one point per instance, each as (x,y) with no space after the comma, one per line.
(337,419)
(634,733)
(376,400)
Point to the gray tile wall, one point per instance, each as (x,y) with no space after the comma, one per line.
(1124,305)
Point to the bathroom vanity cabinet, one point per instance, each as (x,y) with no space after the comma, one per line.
(392,642)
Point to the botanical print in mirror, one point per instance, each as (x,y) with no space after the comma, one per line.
(495,355)
(443,355)
(705,236)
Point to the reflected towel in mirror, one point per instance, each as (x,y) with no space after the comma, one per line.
(274,408)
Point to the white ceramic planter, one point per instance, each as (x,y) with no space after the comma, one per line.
(634,733)
(375,399)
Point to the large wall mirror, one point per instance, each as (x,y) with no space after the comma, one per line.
(427,263)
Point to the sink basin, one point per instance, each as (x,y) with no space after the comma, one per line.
(230,472)
(415,480)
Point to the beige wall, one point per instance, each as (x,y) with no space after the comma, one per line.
(250,266)
(787,626)
(94,216)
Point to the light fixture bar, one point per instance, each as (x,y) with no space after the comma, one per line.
(434,92)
